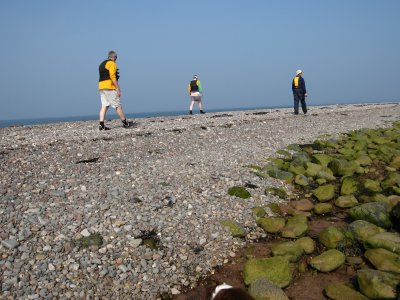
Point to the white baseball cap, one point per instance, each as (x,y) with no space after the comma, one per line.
(299,72)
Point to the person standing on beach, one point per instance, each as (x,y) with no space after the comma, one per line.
(195,90)
(299,92)
(110,90)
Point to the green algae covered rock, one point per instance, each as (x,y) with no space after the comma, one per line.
(280,174)
(362,230)
(328,260)
(324,192)
(87,241)
(235,229)
(276,269)
(391,180)
(377,284)
(323,208)
(295,227)
(259,211)
(349,186)
(264,289)
(239,191)
(281,193)
(313,169)
(386,240)
(330,237)
(384,260)
(372,185)
(340,291)
(301,180)
(346,201)
(377,213)
(270,224)
(321,159)
(307,244)
(341,167)
(290,250)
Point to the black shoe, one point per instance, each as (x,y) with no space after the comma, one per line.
(129,124)
(202,112)
(104,128)
(190,112)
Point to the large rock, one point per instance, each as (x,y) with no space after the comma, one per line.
(264,289)
(321,159)
(259,211)
(328,260)
(377,284)
(341,167)
(276,269)
(323,208)
(325,174)
(296,226)
(340,291)
(363,160)
(302,205)
(349,186)
(270,224)
(386,240)
(307,244)
(391,180)
(331,236)
(289,250)
(362,230)
(377,213)
(312,169)
(296,169)
(346,201)
(383,260)
(395,163)
(324,193)
(235,229)
(372,185)
(281,193)
(239,191)
(300,158)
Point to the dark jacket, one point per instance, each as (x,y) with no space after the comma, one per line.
(302,85)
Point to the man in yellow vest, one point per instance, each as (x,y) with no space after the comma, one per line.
(110,90)
(299,92)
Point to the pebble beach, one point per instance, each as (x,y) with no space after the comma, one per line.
(135,213)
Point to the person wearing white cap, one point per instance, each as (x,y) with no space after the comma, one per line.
(195,90)
(299,92)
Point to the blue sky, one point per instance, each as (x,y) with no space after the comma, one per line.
(245,52)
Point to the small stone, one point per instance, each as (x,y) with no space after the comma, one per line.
(85,232)
(10,244)
(175,291)
(51,267)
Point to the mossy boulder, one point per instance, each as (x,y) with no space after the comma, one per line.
(274,207)
(321,159)
(395,162)
(264,289)
(296,169)
(301,180)
(259,211)
(324,193)
(239,191)
(323,208)
(295,227)
(290,250)
(234,228)
(340,291)
(362,230)
(346,201)
(313,169)
(377,284)
(331,236)
(87,241)
(386,240)
(377,213)
(326,174)
(280,174)
(328,261)
(307,244)
(383,260)
(281,193)
(349,186)
(372,185)
(270,224)
(391,180)
(276,269)
(341,167)
(363,160)
(300,158)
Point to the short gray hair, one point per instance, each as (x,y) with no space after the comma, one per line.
(111,53)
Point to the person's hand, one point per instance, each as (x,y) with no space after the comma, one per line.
(305,95)
(119,93)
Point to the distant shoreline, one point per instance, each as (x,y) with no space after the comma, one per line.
(94,117)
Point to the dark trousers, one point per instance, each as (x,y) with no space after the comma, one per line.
(298,96)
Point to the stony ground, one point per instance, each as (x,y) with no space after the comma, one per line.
(63,184)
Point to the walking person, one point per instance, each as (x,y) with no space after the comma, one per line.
(110,91)
(299,92)
(195,90)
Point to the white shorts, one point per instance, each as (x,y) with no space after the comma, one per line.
(109,98)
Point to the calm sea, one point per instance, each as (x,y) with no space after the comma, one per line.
(7,123)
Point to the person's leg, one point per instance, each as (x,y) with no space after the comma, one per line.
(102,114)
(201,107)
(191,105)
(296,103)
(303,104)
(120,113)
(104,108)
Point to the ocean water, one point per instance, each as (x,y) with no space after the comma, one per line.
(20,122)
